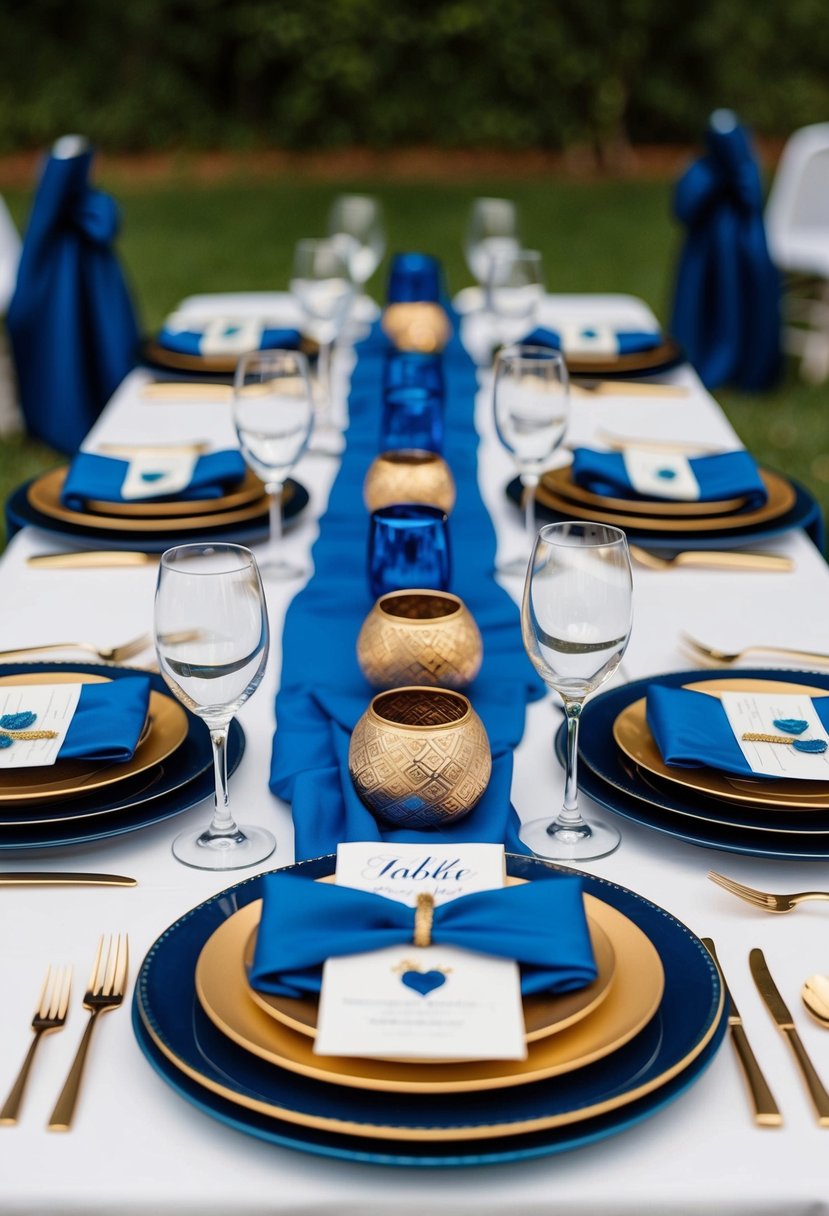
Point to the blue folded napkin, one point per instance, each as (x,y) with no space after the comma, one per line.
(594,341)
(92,476)
(225,336)
(107,723)
(691,730)
(540,925)
(724,475)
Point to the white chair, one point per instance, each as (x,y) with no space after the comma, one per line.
(10,246)
(797,231)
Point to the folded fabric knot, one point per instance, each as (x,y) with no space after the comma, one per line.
(647,475)
(148,476)
(224,336)
(97,216)
(541,925)
(594,341)
(691,730)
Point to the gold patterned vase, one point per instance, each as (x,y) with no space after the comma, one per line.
(419,637)
(417,325)
(409,475)
(419,757)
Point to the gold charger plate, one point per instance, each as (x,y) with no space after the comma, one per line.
(632,1000)
(167,731)
(667,353)
(543,1015)
(633,736)
(560,481)
(250,490)
(214,365)
(44,496)
(781,498)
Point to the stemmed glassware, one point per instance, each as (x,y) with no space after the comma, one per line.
(211,636)
(355,223)
(515,289)
(323,286)
(576,618)
(531,397)
(273,414)
(492,228)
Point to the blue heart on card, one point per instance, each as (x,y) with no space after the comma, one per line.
(792,726)
(666,474)
(151,476)
(423,982)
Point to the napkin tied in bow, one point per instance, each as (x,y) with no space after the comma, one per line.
(541,925)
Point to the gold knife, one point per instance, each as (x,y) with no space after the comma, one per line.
(58,878)
(192,391)
(591,387)
(90,559)
(766,1110)
(785,1024)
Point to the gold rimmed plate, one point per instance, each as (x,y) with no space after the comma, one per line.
(659,358)
(44,495)
(64,779)
(632,999)
(250,490)
(633,737)
(211,365)
(560,482)
(781,498)
(543,1015)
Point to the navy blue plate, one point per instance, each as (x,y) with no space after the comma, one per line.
(805,513)
(167,1005)
(609,778)
(20,513)
(180,781)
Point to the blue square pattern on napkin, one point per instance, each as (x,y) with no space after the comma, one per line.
(691,730)
(92,476)
(724,475)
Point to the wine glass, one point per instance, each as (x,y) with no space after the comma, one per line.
(515,288)
(273,414)
(531,397)
(322,284)
(211,636)
(355,223)
(492,228)
(576,617)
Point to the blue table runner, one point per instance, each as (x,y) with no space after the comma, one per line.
(323,691)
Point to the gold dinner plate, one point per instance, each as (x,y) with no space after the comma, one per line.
(560,481)
(632,1000)
(168,730)
(633,736)
(250,490)
(781,498)
(543,1015)
(666,354)
(44,496)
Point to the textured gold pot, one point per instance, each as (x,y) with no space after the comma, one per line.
(409,475)
(417,325)
(419,757)
(419,637)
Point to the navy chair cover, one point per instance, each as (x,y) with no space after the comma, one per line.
(727,305)
(71,323)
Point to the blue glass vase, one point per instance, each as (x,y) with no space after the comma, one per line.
(408,546)
(412,418)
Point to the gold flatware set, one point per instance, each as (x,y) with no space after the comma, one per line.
(765,900)
(105,991)
(107,654)
(712,559)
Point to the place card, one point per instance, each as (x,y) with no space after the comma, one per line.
(53,707)
(158,474)
(432,1002)
(661,475)
(762,714)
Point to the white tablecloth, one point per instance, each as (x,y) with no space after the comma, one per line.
(136,1147)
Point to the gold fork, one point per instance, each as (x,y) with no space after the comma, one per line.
(107,654)
(732,656)
(105,991)
(50,1015)
(765,899)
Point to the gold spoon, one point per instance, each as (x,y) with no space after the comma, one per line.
(815,996)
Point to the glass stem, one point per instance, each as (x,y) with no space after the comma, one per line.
(222,823)
(275,491)
(529,482)
(570,815)
(324,372)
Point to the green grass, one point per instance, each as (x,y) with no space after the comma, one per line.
(613,236)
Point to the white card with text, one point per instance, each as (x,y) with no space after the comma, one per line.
(434,1002)
(759,713)
(53,706)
